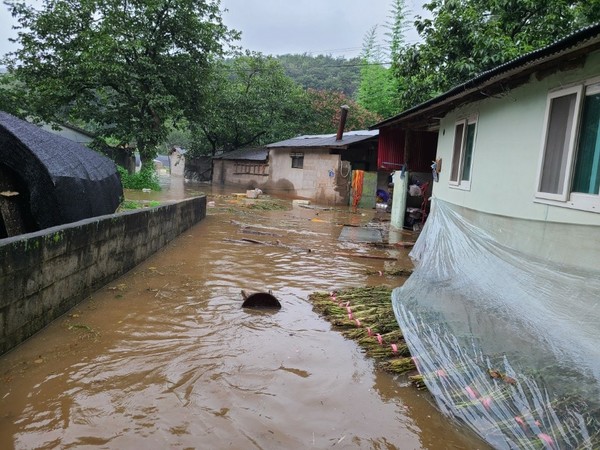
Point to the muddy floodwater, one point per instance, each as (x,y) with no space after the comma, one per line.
(165,357)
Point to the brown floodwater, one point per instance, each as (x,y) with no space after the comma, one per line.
(165,357)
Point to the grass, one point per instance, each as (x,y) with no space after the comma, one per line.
(128,205)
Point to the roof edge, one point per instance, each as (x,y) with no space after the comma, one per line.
(503,71)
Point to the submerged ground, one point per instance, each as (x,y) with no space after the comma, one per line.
(165,357)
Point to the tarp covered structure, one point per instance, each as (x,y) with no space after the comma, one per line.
(58,181)
(508,343)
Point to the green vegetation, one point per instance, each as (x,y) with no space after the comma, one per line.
(130,67)
(464,38)
(252,102)
(144,179)
(128,205)
(151,73)
(267,205)
(323,72)
(365,314)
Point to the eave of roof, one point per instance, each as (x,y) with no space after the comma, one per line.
(247,154)
(571,47)
(326,140)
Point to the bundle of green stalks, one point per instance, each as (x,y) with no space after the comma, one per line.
(366,316)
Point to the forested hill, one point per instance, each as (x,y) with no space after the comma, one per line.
(323,72)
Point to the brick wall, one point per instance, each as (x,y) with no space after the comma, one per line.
(44,274)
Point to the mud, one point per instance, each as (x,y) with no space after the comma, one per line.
(165,357)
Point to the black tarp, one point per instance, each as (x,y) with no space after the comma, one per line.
(66,181)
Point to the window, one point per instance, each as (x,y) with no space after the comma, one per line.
(569,170)
(297,160)
(462,154)
(251,168)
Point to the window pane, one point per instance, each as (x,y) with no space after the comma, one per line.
(560,127)
(458,136)
(466,172)
(586,178)
(297,160)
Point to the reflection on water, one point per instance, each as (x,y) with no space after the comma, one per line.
(165,357)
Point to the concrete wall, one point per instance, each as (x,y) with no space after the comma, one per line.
(177,163)
(320,179)
(224,172)
(44,274)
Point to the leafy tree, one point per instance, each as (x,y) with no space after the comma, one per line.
(396,27)
(10,100)
(252,103)
(379,89)
(323,72)
(377,86)
(326,113)
(128,66)
(466,37)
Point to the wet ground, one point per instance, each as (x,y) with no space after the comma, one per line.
(165,357)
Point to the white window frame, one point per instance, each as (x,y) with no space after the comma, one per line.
(561,196)
(459,183)
(566,198)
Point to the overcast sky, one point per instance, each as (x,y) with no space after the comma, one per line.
(333,27)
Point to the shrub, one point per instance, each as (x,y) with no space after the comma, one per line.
(144,179)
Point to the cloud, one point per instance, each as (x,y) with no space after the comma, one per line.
(335,27)
(306,26)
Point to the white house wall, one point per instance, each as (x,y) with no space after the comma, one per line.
(506,153)
(70,134)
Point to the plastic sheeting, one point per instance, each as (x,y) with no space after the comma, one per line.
(508,344)
(66,181)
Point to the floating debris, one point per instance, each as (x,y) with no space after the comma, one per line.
(391,272)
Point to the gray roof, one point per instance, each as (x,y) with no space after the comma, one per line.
(247,154)
(485,84)
(327,140)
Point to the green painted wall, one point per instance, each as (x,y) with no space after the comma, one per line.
(507,151)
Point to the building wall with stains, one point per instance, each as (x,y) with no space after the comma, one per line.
(243,173)
(320,178)
(46,273)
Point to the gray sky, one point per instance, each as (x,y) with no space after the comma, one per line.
(335,27)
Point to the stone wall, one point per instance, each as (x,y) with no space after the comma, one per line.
(46,273)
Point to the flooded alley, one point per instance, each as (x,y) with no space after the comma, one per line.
(165,357)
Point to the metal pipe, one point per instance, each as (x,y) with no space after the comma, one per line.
(342,125)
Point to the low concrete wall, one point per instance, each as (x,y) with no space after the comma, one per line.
(46,273)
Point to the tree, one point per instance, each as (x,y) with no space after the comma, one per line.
(326,113)
(10,100)
(129,66)
(323,72)
(379,89)
(252,102)
(466,37)
(376,91)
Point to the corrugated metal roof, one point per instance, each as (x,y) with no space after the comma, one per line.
(575,42)
(248,154)
(326,140)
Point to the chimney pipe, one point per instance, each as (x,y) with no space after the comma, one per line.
(342,125)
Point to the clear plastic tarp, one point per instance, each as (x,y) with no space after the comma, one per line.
(508,343)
